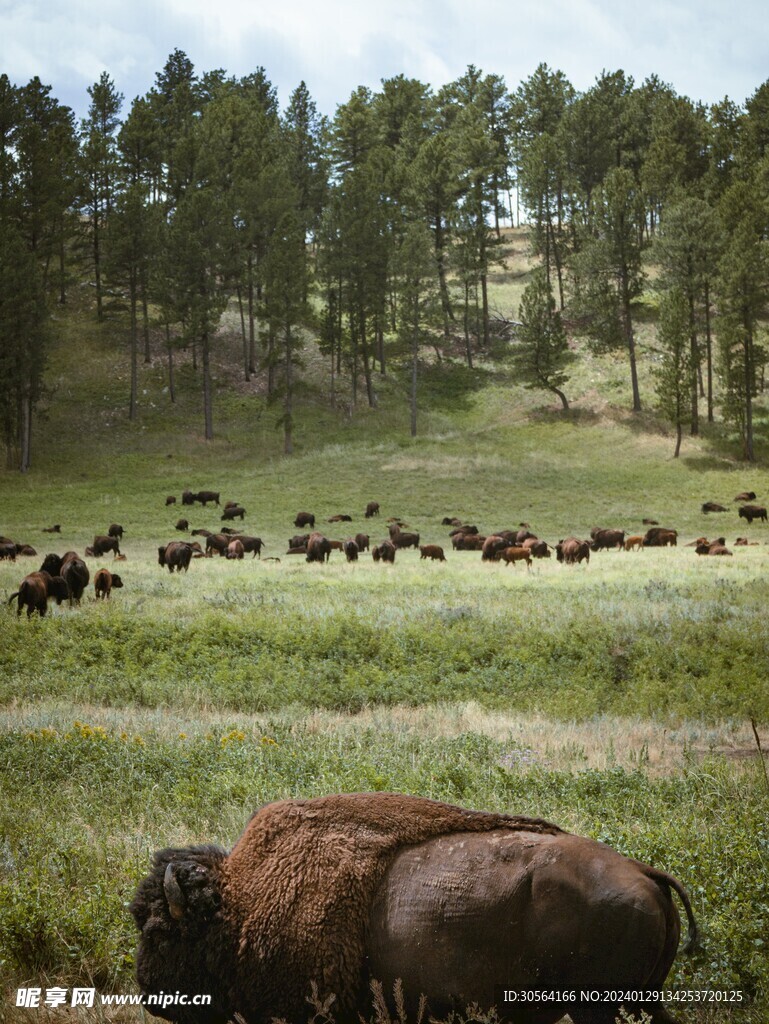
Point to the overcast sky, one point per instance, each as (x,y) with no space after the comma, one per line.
(705,49)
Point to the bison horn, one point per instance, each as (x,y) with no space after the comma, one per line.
(177,904)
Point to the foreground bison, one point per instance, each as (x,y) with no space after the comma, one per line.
(35,589)
(457,904)
(176,555)
(751,512)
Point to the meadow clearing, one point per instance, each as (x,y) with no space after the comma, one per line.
(615,699)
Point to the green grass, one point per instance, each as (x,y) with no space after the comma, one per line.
(614,698)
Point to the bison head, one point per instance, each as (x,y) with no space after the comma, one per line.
(184,946)
(52,564)
(116,580)
(162,555)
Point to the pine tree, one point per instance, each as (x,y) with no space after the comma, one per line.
(673,378)
(541,353)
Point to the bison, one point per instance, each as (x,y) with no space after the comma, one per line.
(216,542)
(362,540)
(176,555)
(35,589)
(340,517)
(605,539)
(335,892)
(188,497)
(101,545)
(746,496)
(8,551)
(56,528)
(305,519)
(233,512)
(538,548)
(116,530)
(659,537)
(514,554)
(104,581)
(712,506)
(205,496)
(234,549)
(252,544)
(401,539)
(182,525)
(751,512)
(350,549)
(318,548)
(492,546)
(76,574)
(384,552)
(372,509)
(636,541)
(571,551)
(432,551)
(170,499)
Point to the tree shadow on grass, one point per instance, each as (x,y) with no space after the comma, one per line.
(449,385)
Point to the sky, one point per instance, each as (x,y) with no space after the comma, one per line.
(705,49)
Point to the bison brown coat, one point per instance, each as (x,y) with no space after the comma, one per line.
(35,589)
(340,890)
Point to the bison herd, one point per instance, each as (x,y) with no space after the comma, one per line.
(65,577)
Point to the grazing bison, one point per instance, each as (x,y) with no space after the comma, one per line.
(116,530)
(101,545)
(234,549)
(571,551)
(636,541)
(104,581)
(188,497)
(713,506)
(463,529)
(659,537)
(35,589)
(171,499)
(451,521)
(492,546)
(514,554)
(338,891)
(468,542)
(350,549)
(401,539)
(234,512)
(361,539)
(384,552)
(538,548)
(298,540)
(8,551)
(182,525)
(746,496)
(252,544)
(520,536)
(432,551)
(176,555)
(372,509)
(751,512)
(76,574)
(305,519)
(216,542)
(205,496)
(602,540)
(318,548)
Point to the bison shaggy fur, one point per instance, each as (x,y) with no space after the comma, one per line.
(432,551)
(751,512)
(372,509)
(104,581)
(176,555)
(335,892)
(305,519)
(34,591)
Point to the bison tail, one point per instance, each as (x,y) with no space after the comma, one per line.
(13,596)
(664,878)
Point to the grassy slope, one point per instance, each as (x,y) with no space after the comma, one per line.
(659,635)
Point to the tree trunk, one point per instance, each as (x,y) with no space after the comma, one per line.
(448,313)
(252,332)
(709,351)
(246,371)
(132,286)
(26,434)
(561,395)
(679,435)
(288,402)
(466,318)
(414,358)
(630,339)
(97,267)
(748,445)
(145,319)
(207,395)
(171,379)
(366,362)
(695,357)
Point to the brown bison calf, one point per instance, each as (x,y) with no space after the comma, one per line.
(372,509)
(104,581)
(433,551)
(182,525)
(634,542)
(515,554)
(171,499)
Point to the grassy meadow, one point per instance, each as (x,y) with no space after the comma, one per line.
(614,698)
